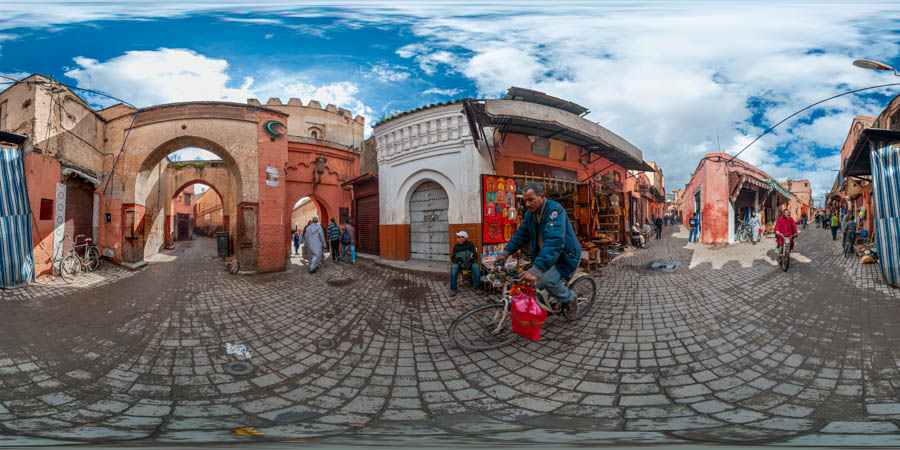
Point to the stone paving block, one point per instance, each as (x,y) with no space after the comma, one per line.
(596,388)
(860,428)
(711,406)
(643,400)
(883,408)
(786,424)
(671,424)
(691,390)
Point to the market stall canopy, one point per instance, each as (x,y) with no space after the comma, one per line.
(539,119)
(858,163)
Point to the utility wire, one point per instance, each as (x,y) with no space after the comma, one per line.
(804,109)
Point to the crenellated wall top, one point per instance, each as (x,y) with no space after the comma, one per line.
(313,104)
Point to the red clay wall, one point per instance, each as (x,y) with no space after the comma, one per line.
(272,221)
(328,193)
(111,232)
(41,175)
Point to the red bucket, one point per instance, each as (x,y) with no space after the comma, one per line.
(527,316)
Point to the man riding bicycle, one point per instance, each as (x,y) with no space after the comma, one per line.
(553,243)
(785,226)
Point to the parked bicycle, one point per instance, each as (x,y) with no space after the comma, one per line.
(84,257)
(742,234)
(488,326)
(849,244)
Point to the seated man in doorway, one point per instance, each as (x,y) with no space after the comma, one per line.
(553,242)
(637,236)
(464,256)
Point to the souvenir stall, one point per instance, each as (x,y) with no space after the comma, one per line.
(500,212)
(597,214)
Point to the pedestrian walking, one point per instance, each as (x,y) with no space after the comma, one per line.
(835,226)
(804,219)
(348,241)
(659,226)
(314,238)
(849,233)
(334,236)
(755,227)
(694,224)
(296,238)
(303,240)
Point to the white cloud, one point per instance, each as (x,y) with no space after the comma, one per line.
(269,36)
(387,73)
(444,92)
(671,78)
(151,77)
(165,75)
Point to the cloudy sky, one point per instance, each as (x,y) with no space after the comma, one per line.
(676,79)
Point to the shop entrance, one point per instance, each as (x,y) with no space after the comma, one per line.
(429,228)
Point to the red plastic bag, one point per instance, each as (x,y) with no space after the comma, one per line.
(527,316)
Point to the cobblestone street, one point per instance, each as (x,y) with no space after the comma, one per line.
(723,348)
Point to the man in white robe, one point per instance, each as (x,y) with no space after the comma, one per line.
(314,241)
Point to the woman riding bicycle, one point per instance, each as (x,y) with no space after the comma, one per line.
(557,251)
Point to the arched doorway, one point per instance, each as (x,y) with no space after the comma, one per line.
(161,179)
(304,210)
(429,227)
(196,208)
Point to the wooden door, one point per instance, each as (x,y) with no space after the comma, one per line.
(247,238)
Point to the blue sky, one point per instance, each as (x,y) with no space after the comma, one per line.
(676,79)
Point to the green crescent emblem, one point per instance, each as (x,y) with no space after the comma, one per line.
(270,127)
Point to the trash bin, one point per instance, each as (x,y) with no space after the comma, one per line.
(222,243)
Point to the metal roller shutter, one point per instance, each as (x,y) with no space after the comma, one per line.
(367,222)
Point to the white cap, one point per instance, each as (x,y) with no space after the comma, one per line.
(463,234)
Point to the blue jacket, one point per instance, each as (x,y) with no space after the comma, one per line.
(561,247)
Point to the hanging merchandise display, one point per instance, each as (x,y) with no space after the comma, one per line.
(499,209)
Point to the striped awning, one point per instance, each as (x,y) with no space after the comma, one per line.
(885,164)
(778,188)
(16,249)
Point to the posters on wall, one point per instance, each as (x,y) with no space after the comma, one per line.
(271,176)
(499,212)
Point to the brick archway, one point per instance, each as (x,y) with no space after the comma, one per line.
(236,134)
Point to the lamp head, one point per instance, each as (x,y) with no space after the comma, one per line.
(871,64)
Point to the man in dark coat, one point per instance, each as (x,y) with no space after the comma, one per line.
(553,243)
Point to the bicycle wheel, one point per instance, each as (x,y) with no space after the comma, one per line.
(585,290)
(483,327)
(70,267)
(785,257)
(92,259)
